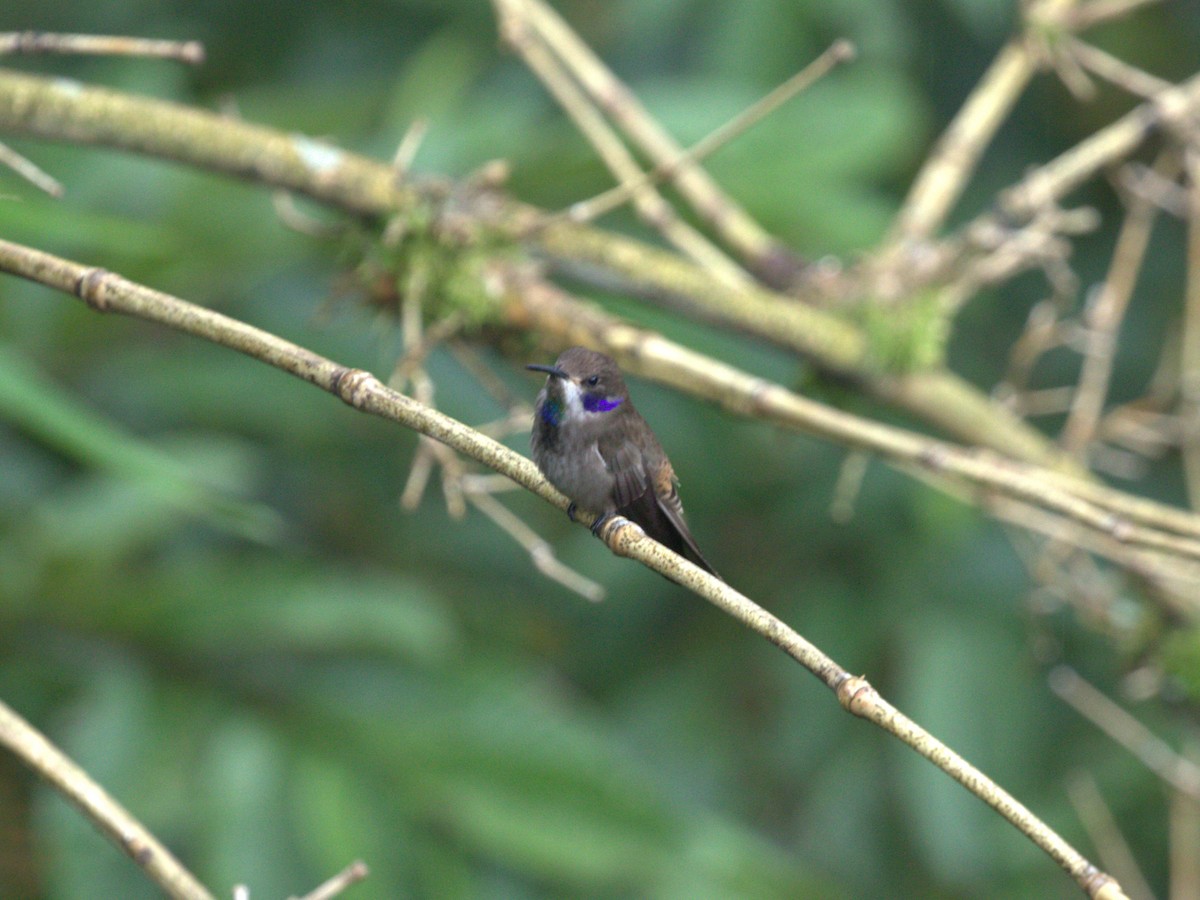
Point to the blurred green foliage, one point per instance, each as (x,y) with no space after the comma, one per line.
(210,597)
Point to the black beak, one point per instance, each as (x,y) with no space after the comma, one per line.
(549,370)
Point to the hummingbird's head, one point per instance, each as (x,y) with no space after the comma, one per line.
(582,385)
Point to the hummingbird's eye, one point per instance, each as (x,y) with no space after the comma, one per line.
(592,380)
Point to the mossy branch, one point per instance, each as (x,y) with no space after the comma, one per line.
(66,111)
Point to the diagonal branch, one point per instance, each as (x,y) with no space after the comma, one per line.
(52,765)
(765,255)
(650,205)
(106,292)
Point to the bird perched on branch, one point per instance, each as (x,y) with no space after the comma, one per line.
(592,445)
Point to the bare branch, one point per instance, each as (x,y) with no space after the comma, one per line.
(1189,354)
(352,874)
(30,42)
(769,259)
(1102,828)
(106,292)
(1052,181)
(1104,317)
(29,171)
(1154,753)
(133,839)
(838,52)
(650,205)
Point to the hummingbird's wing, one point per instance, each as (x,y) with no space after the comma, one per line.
(624,460)
(666,496)
(644,491)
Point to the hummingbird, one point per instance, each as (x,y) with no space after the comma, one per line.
(592,445)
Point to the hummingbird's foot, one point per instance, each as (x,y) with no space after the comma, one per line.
(600,522)
(571,507)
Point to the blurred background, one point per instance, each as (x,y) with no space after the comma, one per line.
(211,599)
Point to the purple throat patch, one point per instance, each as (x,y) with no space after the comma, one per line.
(600,403)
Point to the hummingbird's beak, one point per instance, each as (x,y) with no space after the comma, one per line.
(549,370)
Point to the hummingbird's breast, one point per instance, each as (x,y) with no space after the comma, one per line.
(570,459)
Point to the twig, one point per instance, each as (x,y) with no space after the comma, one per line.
(650,205)
(1102,828)
(28,170)
(1185,838)
(1044,330)
(1117,71)
(410,144)
(945,172)
(839,51)
(1155,754)
(59,108)
(411,367)
(540,551)
(1050,182)
(1095,11)
(191,52)
(1104,317)
(352,874)
(849,485)
(106,292)
(1189,353)
(466,356)
(33,749)
(769,259)
(1170,196)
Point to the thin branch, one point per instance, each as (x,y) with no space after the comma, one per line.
(650,205)
(1189,354)
(838,52)
(1118,72)
(409,146)
(1050,182)
(352,874)
(1096,11)
(31,42)
(540,550)
(1155,754)
(411,368)
(945,173)
(33,749)
(1104,318)
(769,259)
(28,170)
(106,292)
(1184,832)
(60,109)
(1167,195)
(1102,828)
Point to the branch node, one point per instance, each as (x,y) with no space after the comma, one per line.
(91,288)
(138,850)
(352,385)
(1099,885)
(1118,528)
(855,694)
(932,457)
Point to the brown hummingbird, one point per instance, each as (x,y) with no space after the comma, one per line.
(592,445)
